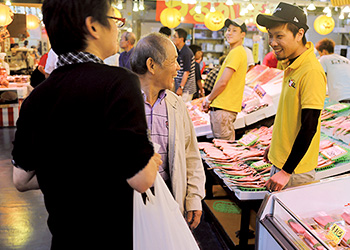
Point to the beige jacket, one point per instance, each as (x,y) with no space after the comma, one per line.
(185,164)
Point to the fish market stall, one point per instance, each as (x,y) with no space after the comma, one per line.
(260,101)
(317,221)
(13,90)
(239,168)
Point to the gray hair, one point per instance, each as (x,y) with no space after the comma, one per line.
(150,46)
(129,36)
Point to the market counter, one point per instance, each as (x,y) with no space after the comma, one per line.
(294,218)
(11,99)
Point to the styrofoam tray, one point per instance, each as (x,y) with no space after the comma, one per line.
(259,114)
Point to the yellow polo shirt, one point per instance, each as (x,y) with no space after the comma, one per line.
(303,87)
(231,98)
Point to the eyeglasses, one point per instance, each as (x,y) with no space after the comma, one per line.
(119,21)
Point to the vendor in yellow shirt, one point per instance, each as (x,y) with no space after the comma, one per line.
(296,133)
(225,100)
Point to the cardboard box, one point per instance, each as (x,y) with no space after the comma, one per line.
(9,115)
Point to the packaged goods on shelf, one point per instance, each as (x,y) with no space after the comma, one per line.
(314,216)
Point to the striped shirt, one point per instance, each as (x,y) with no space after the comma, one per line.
(187,63)
(157,121)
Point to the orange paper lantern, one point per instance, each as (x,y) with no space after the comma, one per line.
(6,15)
(324,25)
(117,13)
(32,22)
(214,20)
(170,17)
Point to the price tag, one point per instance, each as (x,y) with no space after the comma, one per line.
(259,91)
(336,233)
(334,152)
(248,139)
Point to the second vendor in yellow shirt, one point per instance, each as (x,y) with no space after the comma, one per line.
(225,100)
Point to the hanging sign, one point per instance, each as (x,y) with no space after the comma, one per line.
(189,14)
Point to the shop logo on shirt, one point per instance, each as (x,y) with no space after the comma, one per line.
(291,83)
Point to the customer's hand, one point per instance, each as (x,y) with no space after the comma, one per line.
(194,218)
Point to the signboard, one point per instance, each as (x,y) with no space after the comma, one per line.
(190,16)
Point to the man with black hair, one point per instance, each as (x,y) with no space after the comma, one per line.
(185,82)
(225,99)
(165,31)
(82,134)
(337,69)
(296,132)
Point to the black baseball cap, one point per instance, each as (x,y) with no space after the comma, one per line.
(285,13)
(236,22)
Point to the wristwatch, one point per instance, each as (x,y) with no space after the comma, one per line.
(181,87)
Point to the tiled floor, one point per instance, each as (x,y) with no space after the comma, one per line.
(23,215)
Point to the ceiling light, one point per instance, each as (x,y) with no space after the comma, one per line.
(141,5)
(8,3)
(243,11)
(311,6)
(198,9)
(250,6)
(120,5)
(229,2)
(326,9)
(341,16)
(135,7)
(346,9)
(212,8)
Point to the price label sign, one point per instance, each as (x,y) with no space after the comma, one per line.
(259,91)
(336,233)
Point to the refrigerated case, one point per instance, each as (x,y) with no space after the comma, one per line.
(300,206)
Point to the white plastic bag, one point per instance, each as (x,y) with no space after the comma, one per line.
(159,224)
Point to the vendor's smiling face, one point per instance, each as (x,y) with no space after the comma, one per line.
(283,42)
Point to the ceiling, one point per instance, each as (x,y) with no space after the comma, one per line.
(152,3)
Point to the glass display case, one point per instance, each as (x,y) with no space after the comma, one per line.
(314,216)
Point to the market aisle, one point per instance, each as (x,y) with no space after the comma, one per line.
(23,215)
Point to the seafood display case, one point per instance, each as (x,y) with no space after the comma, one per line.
(314,216)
